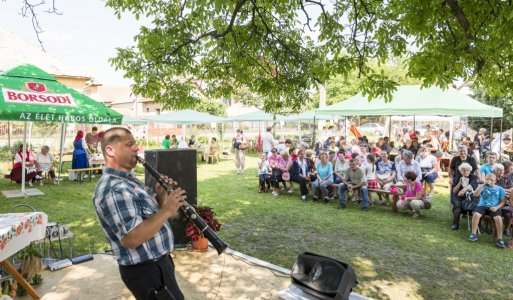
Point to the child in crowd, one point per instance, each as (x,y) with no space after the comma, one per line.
(370,173)
(264,173)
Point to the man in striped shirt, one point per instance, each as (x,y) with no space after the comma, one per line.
(135,220)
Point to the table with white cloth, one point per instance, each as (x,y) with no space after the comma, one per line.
(17,231)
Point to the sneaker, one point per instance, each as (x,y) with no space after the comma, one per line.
(93,176)
(455,227)
(30,184)
(303,198)
(341,206)
(500,244)
(274,193)
(507,233)
(282,189)
(365,209)
(472,238)
(314,198)
(415,215)
(38,177)
(290,191)
(326,200)
(85,176)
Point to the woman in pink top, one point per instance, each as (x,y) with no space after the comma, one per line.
(412,198)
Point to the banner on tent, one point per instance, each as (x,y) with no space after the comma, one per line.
(15,96)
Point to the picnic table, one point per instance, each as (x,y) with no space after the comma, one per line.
(17,231)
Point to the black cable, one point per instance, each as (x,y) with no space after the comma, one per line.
(221,279)
(257,265)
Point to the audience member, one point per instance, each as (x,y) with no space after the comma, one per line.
(30,167)
(429,168)
(405,165)
(92,139)
(460,158)
(240,143)
(412,200)
(299,173)
(491,159)
(491,199)
(264,171)
(341,166)
(354,180)
(275,161)
(462,189)
(324,177)
(267,140)
(166,143)
(45,163)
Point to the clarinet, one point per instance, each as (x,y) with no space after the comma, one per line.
(189,211)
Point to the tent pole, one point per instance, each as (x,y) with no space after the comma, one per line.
(299,128)
(414,124)
(23,158)
(500,144)
(61,151)
(313,135)
(345,127)
(389,127)
(491,129)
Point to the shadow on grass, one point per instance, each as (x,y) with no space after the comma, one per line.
(394,255)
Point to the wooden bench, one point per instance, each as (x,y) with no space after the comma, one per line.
(386,194)
(81,171)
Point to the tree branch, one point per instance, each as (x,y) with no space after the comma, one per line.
(458,13)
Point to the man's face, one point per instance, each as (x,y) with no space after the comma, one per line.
(463,151)
(490,179)
(384,155)
(491,160)
(125,152)
(353,165)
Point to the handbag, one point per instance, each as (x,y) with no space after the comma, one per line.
(285,176)
(427,201)
(470,202)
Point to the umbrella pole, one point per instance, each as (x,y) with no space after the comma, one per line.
(23,158)
(61,150)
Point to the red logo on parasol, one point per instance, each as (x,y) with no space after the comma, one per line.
(36,87)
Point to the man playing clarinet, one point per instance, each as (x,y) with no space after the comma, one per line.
(135,220)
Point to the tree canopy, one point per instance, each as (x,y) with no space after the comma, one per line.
(282,49)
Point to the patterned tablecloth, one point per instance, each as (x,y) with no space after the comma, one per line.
(17,230)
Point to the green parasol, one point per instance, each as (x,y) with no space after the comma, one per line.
(29,94)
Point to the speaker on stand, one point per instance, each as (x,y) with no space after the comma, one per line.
(180,165)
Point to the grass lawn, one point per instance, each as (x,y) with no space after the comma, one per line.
(394,255)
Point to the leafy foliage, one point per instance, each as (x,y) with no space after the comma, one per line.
(208,215)
(283,49)
(504,102)
(210,106)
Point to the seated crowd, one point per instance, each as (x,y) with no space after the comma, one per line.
(357,170)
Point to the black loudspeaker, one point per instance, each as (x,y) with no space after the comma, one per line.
(180,165)
(323,277)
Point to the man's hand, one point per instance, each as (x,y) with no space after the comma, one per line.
(493,209)
(172,202)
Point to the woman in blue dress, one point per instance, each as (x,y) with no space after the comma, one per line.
(80,160)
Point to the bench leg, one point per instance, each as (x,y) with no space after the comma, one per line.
(395,198)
